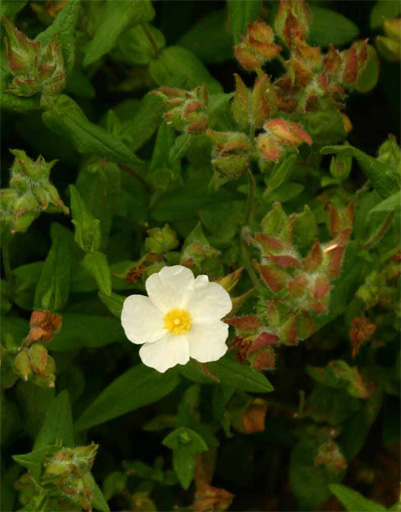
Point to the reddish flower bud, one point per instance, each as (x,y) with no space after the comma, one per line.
(257,47)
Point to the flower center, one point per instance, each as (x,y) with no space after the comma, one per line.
(177,321)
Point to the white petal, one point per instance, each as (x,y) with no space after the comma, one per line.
(141,320)
(209,302)
(208,342)
(166,353)
(166,289)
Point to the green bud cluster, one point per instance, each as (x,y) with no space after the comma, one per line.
(29,194)
(35,68)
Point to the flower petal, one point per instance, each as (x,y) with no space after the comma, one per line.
(209,302)
(141,320)
(165,353)
(166,289)
(208,342)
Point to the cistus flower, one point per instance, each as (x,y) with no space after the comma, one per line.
(180,319)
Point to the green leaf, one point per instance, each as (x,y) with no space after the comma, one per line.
(64,28)
(90,331)
(117,18)
(329,26)
(100,187)
(145,122)
(240,14)
(98,500)
(391,204)
(67,119)
(53,288)
(33,403)
(240,376)
(180,148)
(353,501)
(185,443)
(308,481)
(384,178)
(384,10)
(139,45)
(114,302)
(87,228)
(178,67)
(136,388)
(209,39)
(32,461)
(57,427)
(9,8)
(96,264)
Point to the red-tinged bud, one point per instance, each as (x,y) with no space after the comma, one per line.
(298,286)
(322,286)
(346,122)
(22,53)
(332,62)
(280,136)
(275,278)
(263,100)
(253,418)
(257,47)
(337,219)
(245,324)
(238,302)
(231,153)
(208,498)
(229,281)
(240,105)
(314,259)
(340,166)
(241,346)
(292,21)
(263,340)
(273,314)
(38,355)
(285,261)
(270,245)
(296,328)
(334,252)
(263,359)
(329,455)
(43,324)
(361,331)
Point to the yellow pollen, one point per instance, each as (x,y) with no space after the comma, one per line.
(177,321)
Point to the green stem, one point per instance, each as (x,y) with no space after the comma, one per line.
(247,263)
(7,267)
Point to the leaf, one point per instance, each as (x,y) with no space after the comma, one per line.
(384,10)
(353,501)
(209,39)
(86,331)
(240,376)
(32,461)
(64,28)
(98,500)
(308,481)
(67,119)
(114,302)
(329,26)
(185,443)
(57,427)
(240,14)
(9,8)
(87,228)
(117,18)
(145,122)
(383,177)
(33,403)
(391,204)
(136,388)
(180,148)
(53,288)
(178,67)
(96,264)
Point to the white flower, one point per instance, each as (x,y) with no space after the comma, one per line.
(180,319)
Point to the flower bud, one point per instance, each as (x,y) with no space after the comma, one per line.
(253,418)
(257,47)
(293,20)
(161,240)
(340,166)
(22,364)
(231,153)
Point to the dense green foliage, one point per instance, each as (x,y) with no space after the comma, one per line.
(252,141)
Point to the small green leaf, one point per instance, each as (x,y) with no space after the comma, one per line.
(136,388)
(240,14)
(330,27)
(185,444)
(87,228)
(53,288)
(391,204)
(57,427)
(32,461)
(353,501)
(67,119)
(384,10)
(117,18)
(178,67)
(98,500)
(240,376)
(139,45)
(96,264)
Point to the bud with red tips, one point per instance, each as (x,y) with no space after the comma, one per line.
(187,110)
(331,457)
(389,46)
(257,47)
(231,153)
(280,137)
(293,20)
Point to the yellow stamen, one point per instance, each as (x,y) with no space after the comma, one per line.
(177,321)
